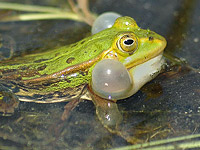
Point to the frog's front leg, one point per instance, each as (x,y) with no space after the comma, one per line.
(107,112)
(8,101)
(110,117)
(69,107)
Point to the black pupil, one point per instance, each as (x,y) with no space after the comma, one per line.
(129,42)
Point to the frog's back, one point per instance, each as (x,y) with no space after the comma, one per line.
(55,60)
(14,71)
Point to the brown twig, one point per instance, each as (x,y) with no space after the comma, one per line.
(82,10)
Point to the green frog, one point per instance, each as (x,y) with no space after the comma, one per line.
(65,74)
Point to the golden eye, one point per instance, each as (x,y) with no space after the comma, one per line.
(128,43)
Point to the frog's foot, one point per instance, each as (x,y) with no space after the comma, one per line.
(110,117)
(107,112)
(8,101)
(68,108)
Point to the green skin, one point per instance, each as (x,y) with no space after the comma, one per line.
(39,65)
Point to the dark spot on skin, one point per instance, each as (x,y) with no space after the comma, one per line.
(85,52)
(82,42)
(8,71)
(73,45)
(37,95)
(40,60)
(57,54)
(73,95)
(43,75)
(49,96)
(58,94)
(19,78)
(46,84)
(68,81)
(95,51)
(82,73)
(70,60)
(68,95)
(25,90)
(151,38)
(78,89)
(86,72)
(23,68)
(42,67)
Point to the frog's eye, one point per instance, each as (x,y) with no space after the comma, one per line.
(128,43)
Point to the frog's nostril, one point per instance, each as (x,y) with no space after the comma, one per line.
(151,38)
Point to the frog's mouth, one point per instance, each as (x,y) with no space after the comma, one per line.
(155,63)
(151,61)
(142,56)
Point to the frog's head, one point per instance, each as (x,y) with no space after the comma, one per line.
(134,45)
(139,50)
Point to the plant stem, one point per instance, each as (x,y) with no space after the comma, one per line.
(41,16)
(30,8)
(159,142)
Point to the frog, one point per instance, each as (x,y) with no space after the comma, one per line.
(65,74)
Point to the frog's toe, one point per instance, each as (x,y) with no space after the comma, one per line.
(8,101)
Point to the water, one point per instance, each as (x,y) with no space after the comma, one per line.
(166,107)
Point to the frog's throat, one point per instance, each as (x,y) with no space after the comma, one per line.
(71,69)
